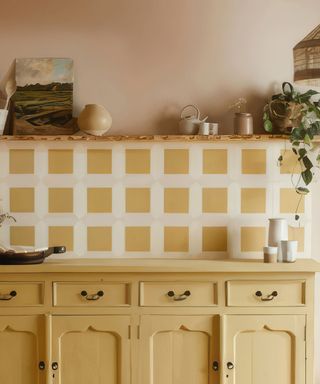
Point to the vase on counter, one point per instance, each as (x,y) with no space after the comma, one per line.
(94,120)
(243,124)
(278,231)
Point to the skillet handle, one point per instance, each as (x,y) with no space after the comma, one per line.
(52,250)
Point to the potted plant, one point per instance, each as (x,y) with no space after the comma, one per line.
(297,115)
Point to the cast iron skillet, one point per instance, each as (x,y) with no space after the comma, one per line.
(11,258)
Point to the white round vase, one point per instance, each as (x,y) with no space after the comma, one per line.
(95,120)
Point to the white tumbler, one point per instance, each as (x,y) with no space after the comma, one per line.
(278,231)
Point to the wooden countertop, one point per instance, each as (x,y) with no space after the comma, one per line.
(160,265)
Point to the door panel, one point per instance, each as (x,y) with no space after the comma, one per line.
(91,349)
(178,349)
(264,349)
(21,349)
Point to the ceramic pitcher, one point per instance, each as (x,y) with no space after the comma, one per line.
(278,230)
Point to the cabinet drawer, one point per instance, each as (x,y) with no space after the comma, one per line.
(21,294)
(185,294)
(255,293)
(96,294)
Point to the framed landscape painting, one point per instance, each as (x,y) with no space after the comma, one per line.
(43,101)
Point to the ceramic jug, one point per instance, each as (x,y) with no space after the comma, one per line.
(278,231)
(190,124)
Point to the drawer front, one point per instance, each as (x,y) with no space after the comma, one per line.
(21,294)
(185,294)
(86,294)
(255,293)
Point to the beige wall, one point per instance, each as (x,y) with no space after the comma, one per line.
(145,59)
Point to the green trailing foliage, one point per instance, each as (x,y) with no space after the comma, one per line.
(301,136)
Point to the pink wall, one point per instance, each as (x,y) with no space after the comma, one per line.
(145,59)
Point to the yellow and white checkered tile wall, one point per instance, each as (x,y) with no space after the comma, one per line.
(149,199)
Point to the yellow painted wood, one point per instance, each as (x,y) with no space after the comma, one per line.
(68,294)
(21,349)
(162,265)
(264,349)
(242,293)
(27,294)
(177,349)
(146,341)
(91,349)
(156,294)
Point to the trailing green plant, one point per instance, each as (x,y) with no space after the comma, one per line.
(300,115)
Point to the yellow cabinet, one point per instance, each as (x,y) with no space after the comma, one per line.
(90,349)
(178,349)
(263,349)
(22,358)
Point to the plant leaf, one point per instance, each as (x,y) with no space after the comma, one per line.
(307,176)
(302,190)
(302,152)
(268,126)
(307,162)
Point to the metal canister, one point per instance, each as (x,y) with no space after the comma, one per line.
(243,124)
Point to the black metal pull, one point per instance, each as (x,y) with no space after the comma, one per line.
(42,365)
(215,366)
(268,297)
(8,296)
(54,366)
(230,365)
(95,296)
(180,297)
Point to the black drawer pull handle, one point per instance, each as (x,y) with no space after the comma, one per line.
(181,297)
(95,296)
(8,296)
(268,297)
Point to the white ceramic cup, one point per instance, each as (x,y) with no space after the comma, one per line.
(270,254)
(289,250)
(3,119)
(206,128)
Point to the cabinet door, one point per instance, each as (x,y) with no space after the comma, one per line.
(178,349)
(21,349)
(91,349)
(263,349)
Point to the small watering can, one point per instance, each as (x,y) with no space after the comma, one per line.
(189,124)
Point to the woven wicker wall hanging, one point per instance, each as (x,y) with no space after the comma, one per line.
(307,59)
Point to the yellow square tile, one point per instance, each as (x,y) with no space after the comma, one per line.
(176,200)
(297,233)
(60,200)
(215,161)
(254,161)
(137,200)
(138,239)
(99,239)
(99,161)
(176,239)
(99,200)
(176,161)
(290,163)
(61,236)
(60,161)
(253,200)
(253,239)
(289,200)
(22,199)
(21,161)
(137,161)
(215,200)
(214,239)
(22,236)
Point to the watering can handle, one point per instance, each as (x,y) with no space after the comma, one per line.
(190,106)
(286,92)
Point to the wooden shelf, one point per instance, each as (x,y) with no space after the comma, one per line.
(155,138)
